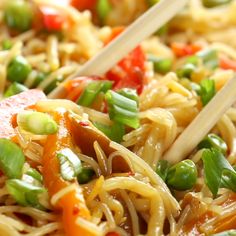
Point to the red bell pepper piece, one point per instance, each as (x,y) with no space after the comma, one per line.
(182,50)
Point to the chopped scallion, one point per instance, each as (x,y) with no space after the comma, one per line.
(11,159)
(207,91)
(36,122)
(209,57)
(92,90)
(70,164)
(14,89)
(85,175)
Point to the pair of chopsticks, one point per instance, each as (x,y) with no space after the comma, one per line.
(146,25)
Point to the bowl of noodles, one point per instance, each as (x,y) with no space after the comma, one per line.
(92,162)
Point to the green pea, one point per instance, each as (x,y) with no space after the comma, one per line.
(161,65)
(182,176)
(186,71)
(18,69)
(14,89)
(18,15)
(85,175)
(213,141)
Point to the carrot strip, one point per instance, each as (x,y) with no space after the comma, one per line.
(72,204)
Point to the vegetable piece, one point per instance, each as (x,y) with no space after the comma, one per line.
(35,174)
(70,164)
(12,159)
(39,78)
(13,105)
(182,176)
(122,109)
(85,175)
(115,132)
(53,85)
(227,64)
(186,71)
(207,91)
(18,15)
(72,204)
(14,89)
(92,90)
(6,44)
(129,93)
(103,8)
(152,2)
(130,71)
(215,3)
(52,18)
(25,193)
(182,50)
(18,69)
(215,165)
(112,234)
(209,57)
(161,65)
(84,4)
(213,141)
(36,122)
(162,169)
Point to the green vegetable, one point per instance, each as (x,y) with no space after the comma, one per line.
(182,176)
(217,171)
(207,91)
(12,159)
(39,78)
(215,3)
(14,89)
(85,175)
(122,109)
(115,132)
(18,15)
(53,85)
(6,44)
(129,93)
(18,70)
(35,174)
(92,90)
(209,58)
(103,9)
(213,141)
(162,169)
(163,30)
(186,71)
(25,193)
(36,122)
(152,2)
(70,164)
(161,65)
(195,87)
(194,60)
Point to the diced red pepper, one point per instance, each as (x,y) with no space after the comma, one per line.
(13,105)
(52,18)
(227,64)
(130,71)
(182,50)
(84,4)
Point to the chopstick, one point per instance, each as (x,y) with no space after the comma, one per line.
(203,123)
(143,27)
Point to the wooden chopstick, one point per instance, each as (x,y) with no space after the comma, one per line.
(203,123)
(143,27)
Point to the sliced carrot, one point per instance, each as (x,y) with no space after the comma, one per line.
(227,64)
(72,204)
(13,105)
(181,49)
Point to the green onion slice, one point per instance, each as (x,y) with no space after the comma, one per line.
(162,168)
(92,90)
(70,164)
(36,122)
(207,90)
(12,159)
(25,193)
